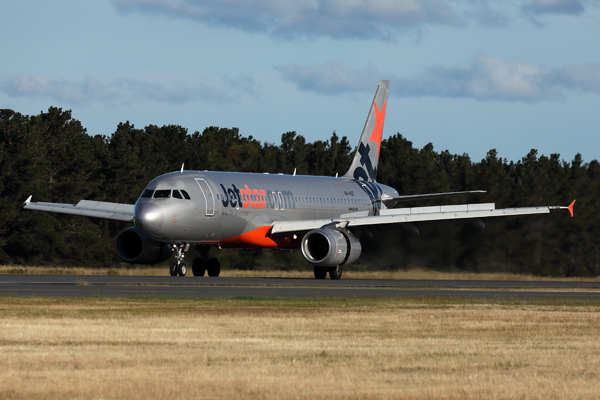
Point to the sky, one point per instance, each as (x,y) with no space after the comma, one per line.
(465,75)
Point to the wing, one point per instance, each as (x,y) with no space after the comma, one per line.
(457,213)
(87,208)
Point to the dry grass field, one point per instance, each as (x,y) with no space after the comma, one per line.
(152,348)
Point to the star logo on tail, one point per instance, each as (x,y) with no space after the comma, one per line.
(378,130)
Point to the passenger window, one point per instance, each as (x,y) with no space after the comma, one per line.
(177,195)
(185,195)
(147,194)
(162,194)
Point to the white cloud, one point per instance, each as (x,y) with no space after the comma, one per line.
(568,7)
(484,78)
(348,19)
(219,90)
(481,12)
(582,78)
(74,92)
(331,78)
(381,19)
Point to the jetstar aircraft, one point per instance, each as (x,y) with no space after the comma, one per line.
(323,216)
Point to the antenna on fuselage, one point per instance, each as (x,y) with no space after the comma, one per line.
(182,167)
(294,172)
(336,174)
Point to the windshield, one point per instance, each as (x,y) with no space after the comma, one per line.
(162,194)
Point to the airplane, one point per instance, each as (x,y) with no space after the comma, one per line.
(323,216)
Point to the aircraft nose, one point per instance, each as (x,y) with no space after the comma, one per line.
(149,218)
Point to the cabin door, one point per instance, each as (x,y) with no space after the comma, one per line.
(208,196)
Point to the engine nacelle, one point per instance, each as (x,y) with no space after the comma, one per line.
(136,248)
(329,247)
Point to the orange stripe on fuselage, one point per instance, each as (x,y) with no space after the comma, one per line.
(258,238)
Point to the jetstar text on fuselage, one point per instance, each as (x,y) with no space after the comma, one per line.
(243,197)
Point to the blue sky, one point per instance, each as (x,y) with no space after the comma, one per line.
(466,75)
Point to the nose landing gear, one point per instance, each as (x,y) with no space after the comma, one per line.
(178,267)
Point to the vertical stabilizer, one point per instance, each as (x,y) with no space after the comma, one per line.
(364,164)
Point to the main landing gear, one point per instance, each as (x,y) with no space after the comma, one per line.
(205,264)
(199,266)
(335,273)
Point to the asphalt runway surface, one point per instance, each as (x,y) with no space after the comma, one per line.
(205,287)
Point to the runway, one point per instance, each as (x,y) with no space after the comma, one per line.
(205,287)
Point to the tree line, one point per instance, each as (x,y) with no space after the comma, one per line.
(52,157)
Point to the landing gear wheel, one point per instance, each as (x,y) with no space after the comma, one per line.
(178,267)
(198,267)
(213,267)
(335,272)
(320,272)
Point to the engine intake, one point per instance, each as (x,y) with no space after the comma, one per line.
(134,247)
(329,247)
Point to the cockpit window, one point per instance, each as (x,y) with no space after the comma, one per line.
(177,195)
(162,194)
(147,194)
(185,195)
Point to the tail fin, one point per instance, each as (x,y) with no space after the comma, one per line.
(364,165)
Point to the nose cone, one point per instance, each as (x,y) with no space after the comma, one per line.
(149,219)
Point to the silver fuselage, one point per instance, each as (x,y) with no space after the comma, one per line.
(232,209)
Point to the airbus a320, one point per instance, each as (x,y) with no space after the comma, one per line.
(323,216)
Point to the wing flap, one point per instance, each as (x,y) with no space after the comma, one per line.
(87,208)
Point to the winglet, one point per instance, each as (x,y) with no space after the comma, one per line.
(570,208)
(28,200)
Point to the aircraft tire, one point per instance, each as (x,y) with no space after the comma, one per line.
(198,267)
(335,273)
(173,269)
(213,267)
(182,269)
(320,272)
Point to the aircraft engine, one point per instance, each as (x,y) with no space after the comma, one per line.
(136,248)
(329,247)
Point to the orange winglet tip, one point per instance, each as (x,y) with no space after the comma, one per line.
(570,208)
